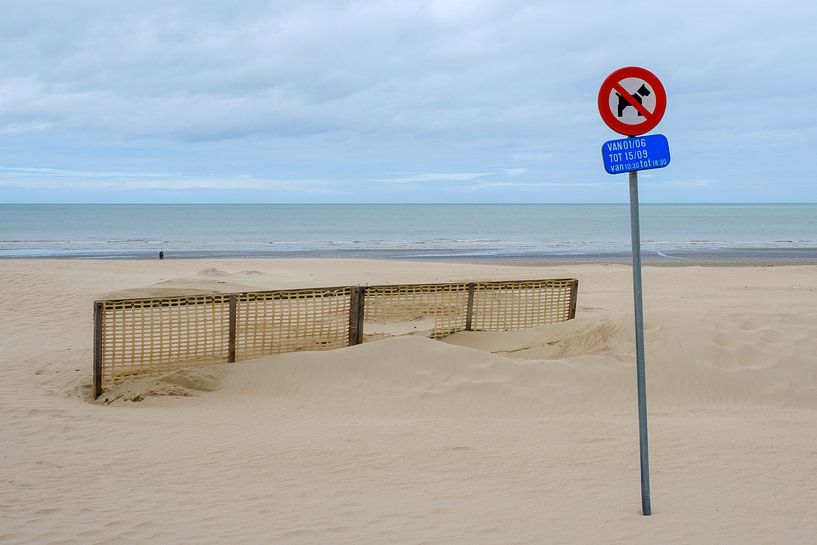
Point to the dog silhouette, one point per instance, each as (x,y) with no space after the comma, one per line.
(623,102)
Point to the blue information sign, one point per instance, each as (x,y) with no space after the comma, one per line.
(638,153)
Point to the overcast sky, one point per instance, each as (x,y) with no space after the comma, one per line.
(397,101)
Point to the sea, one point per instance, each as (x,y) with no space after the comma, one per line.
(774,232)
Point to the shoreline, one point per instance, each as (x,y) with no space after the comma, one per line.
(724,257)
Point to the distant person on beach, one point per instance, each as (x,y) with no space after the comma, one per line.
(161,254)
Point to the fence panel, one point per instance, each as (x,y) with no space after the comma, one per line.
(142,337)
(288,321)
(437,309)
(504,306)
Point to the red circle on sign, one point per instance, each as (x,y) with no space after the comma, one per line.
(613,83)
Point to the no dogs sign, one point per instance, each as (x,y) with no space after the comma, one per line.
(632,101)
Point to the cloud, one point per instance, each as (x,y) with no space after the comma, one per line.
(443,177)
(196,71)
(127,185)
(682,183)
(433,177)
(349,89)
(539,185)
(62,173)
(690,183)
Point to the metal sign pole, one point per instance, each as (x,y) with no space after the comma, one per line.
(628,155)
(635,232)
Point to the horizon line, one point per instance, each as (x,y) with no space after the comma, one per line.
(402,203)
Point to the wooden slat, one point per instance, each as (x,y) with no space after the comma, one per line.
(231,328)
(98,321)
(469,314)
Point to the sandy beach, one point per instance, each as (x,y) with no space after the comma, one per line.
(483,438)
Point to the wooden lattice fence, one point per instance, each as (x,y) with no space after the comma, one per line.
(153,336)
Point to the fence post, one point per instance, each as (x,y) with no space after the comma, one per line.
(99,316)
(356,313)
(574,292)
(231,328)
(469,313)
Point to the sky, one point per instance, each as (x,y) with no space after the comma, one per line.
(398,101)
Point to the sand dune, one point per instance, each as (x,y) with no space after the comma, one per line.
(511,437)
(578,365)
